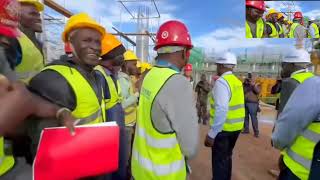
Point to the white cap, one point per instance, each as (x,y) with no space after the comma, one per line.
(227,58)
(312,19)
(297,56)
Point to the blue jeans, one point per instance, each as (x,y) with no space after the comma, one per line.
(252,110)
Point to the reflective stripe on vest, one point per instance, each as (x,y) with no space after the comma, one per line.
(236,110)
(155,155)
(274,33)
(88,107)
(292,29)
(316,31)
(298,157)
(32,60)
(259,29)
(115,95)
(301,77)
(281,29)
(6,162)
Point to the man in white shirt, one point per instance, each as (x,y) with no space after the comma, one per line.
(226,117)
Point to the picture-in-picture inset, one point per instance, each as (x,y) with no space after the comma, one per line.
(282,19)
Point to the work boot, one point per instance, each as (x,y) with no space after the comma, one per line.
(256,135)
(245,132)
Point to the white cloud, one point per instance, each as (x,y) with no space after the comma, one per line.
(226,38)
(313,13)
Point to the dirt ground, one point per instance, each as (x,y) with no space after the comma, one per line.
(252,157)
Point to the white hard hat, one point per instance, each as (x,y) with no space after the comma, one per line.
(312,19)
(227,58)
(297,56)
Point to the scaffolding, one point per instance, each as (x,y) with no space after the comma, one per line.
(144,13)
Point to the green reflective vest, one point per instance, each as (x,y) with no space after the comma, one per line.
(301,77)
(259,29)
(155,155)
(88,109)
(292,29)
(299,155)
(274,33)
(236,113)
(32,60)
(6,162)
(316,30)
(281,31)
(115,95)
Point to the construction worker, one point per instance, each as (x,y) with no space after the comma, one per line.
(281,22)
(144,69)
(130,96)
(72,84)
(202,89)
(255,25)
(166,131)
(112,58)
(16,98)
(294,72)
(32,60)
(297,133)
(273,28)
(188,73)
(313,29)
(297,29)
(226,117)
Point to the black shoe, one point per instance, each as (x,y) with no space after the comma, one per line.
(256,135)
(245,132)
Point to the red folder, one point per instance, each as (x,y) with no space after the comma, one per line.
(92,151)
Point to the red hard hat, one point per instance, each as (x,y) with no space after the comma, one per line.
(256,4)
(297,15)
(188,67)
(9,18)
(67,48)
(173,33)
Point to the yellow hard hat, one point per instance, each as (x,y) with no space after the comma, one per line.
(109,42)
(280,15)
(271,11)
(81,20)
(130,56)
(290,22)
(39,6)
(145,66)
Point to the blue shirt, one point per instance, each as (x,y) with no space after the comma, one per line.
(221,94)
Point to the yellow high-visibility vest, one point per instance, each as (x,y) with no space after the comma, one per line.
(32,60)
(292,29)
(236,113)
(259,30)
(115,95)
(274,33)
(316,30)
(88,107)
(155,155)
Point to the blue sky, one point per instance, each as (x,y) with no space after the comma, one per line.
(214,25)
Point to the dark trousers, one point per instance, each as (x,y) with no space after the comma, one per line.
(252,110)
(202,112)
(286,174)
(222,155)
